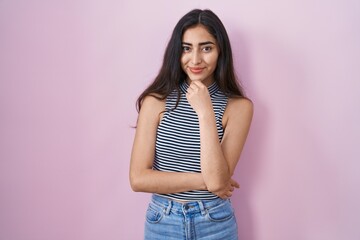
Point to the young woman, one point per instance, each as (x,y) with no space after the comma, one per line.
(192,125)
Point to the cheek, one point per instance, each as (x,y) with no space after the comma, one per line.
(183,60)
(212,61)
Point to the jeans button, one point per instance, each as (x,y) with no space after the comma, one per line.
(186,207)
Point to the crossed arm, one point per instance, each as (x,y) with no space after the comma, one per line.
(218,160)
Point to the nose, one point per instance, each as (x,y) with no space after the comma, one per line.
(195,58)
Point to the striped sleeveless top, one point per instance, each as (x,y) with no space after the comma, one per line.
(178,138)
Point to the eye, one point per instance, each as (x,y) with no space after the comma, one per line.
(207,49)
(186,49)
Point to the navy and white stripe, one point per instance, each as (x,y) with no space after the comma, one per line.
(178,138)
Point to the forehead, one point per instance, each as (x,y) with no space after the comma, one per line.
(197,34)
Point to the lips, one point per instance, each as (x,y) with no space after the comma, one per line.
(196,70)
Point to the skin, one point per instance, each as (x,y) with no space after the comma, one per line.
(200,51)
(218,160)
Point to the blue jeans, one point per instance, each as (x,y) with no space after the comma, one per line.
(200,220)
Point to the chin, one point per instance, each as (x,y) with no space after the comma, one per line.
(197,78)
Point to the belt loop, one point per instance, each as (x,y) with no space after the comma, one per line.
(202,208)
(168,208)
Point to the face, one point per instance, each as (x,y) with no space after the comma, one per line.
(200,55)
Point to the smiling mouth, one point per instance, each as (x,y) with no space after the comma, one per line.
(196,70)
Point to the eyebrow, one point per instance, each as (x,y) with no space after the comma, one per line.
(200,44)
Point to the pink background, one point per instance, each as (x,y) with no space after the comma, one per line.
(70,72)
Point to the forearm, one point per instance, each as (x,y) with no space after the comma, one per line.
(214,167)
(154,181)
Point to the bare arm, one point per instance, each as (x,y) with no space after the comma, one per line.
(236,121)
(142,177)
(218,160)
(214,166)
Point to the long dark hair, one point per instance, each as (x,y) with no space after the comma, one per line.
(171,74)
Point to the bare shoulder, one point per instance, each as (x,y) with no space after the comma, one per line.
(153,101)
(238,110)
(239,106)
(152,107)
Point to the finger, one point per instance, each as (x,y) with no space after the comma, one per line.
(194,84)
(197,83)
(190,88)
(234,183)
(224,197)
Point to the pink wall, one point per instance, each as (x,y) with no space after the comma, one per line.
(70,72)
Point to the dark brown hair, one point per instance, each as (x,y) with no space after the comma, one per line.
(171,74)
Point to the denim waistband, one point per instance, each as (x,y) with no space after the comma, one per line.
(189,207)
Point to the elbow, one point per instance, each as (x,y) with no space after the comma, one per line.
(217,183)
(216,186)
(135,183)
(139,180)
(134,187)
